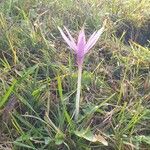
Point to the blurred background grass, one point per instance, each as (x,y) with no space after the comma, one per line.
(38,75)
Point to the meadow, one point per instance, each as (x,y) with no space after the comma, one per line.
(38,75)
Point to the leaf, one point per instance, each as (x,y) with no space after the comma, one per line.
(23,145)
(59,138)
(88,135)
(27,72)
(4,99)
(99,138)
(142,138)
(47,140)
(15,82)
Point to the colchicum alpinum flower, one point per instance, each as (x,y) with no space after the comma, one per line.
(80,47)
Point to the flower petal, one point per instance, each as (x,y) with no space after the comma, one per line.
(81,37)
(71,38)
(93,39)
(68,41)
(80,46)
(91,36)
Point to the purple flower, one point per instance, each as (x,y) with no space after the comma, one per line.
(81,47)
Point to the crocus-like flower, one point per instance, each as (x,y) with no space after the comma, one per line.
(80,47)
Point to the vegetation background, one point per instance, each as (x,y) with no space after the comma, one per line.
(38,76)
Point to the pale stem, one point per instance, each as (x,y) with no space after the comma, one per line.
(78,92)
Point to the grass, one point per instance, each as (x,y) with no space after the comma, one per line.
(38,77)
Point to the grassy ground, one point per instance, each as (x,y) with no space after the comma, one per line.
(38,76)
